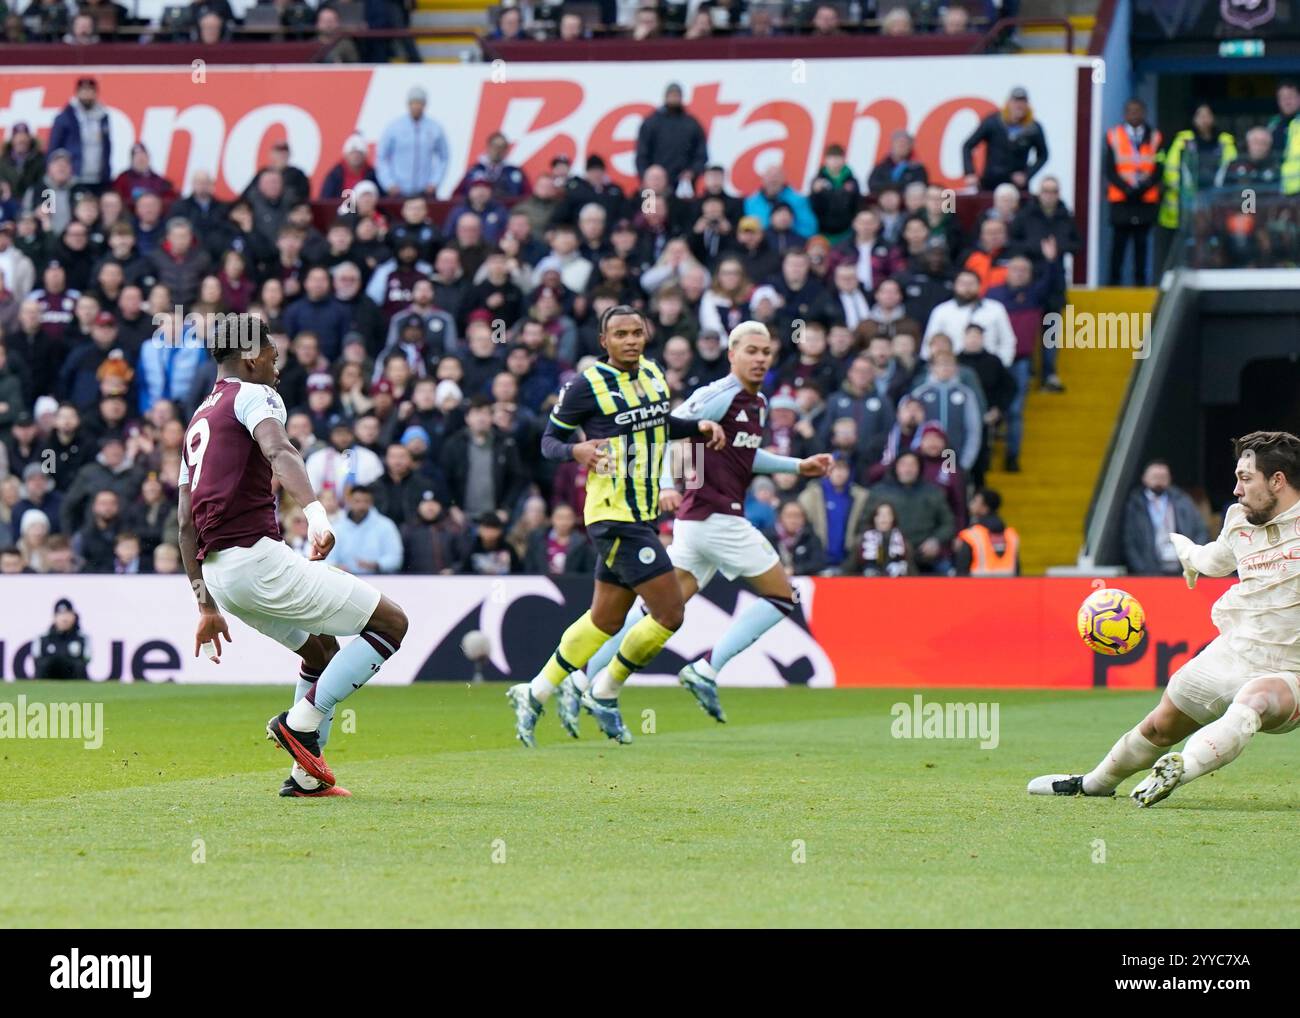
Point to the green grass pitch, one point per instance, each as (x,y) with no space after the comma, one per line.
(453,823)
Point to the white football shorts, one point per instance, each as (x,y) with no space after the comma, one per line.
(722,543)
(1205,686)
(286,597)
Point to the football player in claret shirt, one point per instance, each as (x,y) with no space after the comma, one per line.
(237,563)
(621,405)
(711,534)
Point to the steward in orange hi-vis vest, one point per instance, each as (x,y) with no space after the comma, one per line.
(1135,164)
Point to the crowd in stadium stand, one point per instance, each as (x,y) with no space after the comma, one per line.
(421,356)
(332,24)
(1226,203)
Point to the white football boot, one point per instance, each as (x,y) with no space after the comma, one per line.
(1163,779)
(1062,784)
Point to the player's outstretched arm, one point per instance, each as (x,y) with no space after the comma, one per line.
(291,472)
(1214,559)
(818,465)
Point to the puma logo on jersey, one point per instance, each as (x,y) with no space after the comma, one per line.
(746,440)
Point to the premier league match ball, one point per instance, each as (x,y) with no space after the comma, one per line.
(1111,621)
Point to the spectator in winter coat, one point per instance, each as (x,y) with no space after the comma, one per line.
(506,181)
(858,400)
(366,541)
(672,138)
(955,406)
(835,508)
(1010,137)
(939,467)
(1000,390)
(318,312)
(835,195)
(988,259)
(867,251)
(899,168)
(775,189)
(165,369)
(1153,510)
(967,307)
(179,263)
(800,550)
(17,273)
(201,206)
(110,472)
(79,378)
(881,549)
(1025,299)
(432,542)
(922,511)
(560,549)
(480,201)
(348,172)
(81,130)
(928,282)
(22,163)
(139,178)
(482,465)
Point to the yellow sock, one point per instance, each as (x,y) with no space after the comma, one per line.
(639,647)
(579,642)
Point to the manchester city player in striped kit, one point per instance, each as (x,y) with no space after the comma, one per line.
(621,405)
(712,534)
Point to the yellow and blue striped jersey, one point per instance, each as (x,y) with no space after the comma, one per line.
(630,411)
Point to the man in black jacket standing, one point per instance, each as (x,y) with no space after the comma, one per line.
(1010,137)
(64,651)
(482,466)
(672,138)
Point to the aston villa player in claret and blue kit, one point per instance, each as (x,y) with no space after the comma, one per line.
(711,534)
(235,446)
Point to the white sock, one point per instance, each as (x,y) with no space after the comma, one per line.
(581,680)
(603,687)
(305,780)
(1219,742)
(1134,752)
(542,688)
(704,668)
(304,716)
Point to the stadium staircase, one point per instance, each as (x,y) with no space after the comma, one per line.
(1066,436)
(450,28)
(1081,14)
